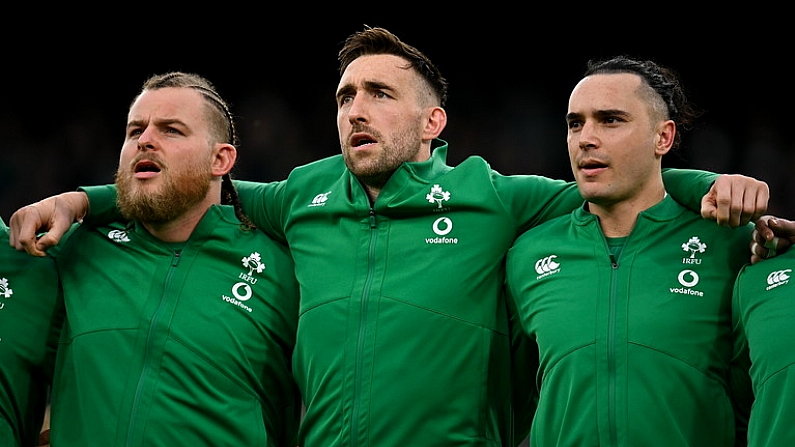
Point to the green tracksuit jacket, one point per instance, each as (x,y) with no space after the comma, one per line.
(633,351)
(30,320)
(176,345)
(765,326)
(403,329)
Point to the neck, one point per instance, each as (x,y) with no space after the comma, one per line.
(180,228)
(617,219)
(372,193)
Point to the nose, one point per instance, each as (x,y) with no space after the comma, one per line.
(357,109)
(146,141)
(588,136)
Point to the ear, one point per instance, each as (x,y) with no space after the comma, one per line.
(434,123)
(224,157)
(664,140)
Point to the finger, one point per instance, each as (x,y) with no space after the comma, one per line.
(25,223)
(781,227)
(762,199)
(737,207)
(771,249)
(708,209)
(772,244)
(724,204)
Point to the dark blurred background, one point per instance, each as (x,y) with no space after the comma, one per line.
(68,86)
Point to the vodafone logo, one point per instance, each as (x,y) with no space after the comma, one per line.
(778,278)
(442,226)
(547,266)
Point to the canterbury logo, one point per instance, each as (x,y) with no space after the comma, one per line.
(320,199)
(547,266)
(118,236)
(778,278)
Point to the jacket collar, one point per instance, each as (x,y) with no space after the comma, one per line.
(666,210)
(204,229)
(431,168)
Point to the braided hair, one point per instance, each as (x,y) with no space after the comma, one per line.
(221,120)
(661,80)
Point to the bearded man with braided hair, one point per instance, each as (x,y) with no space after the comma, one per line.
(181,319)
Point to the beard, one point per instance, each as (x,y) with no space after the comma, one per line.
(376,170)
(180,191)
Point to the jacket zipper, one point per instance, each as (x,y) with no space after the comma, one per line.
(611,351)
(363,329)
(147,367)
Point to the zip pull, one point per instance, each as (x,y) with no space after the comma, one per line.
(613,262)
(175,259)
(372,218)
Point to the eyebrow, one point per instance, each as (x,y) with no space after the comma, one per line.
(369,86)
(599,114)
(157,121)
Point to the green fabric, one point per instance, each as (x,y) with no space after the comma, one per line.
(631,353)
(165,348)
(403,337)
(30,321)
(765,336)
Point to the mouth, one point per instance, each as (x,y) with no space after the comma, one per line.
(361,140)
(592,167)
(145,169)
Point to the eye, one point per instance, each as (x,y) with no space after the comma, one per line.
(574,124)
(613,119)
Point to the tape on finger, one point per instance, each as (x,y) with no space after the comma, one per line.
(771,246)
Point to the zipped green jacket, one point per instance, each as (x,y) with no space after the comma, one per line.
(765,339)
(634,350)
(403,336)
(176,344)
(30,321)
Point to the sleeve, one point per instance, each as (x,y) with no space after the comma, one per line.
(741,387)
(263,203)
(102,207)
(688,186)
(533,199)
(253,197)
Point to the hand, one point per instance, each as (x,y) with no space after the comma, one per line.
(53,215)
(735,200)
(771,237)
(44,438)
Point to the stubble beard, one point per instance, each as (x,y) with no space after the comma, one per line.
(374,171)
(180,192)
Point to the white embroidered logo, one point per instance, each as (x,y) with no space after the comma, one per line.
(320,199)
(694,245)
(688,279)
(437,195)
(442,227)
(253,262)
(242,290)
(778,278)
(547,266)
(118,236)
(5,291)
